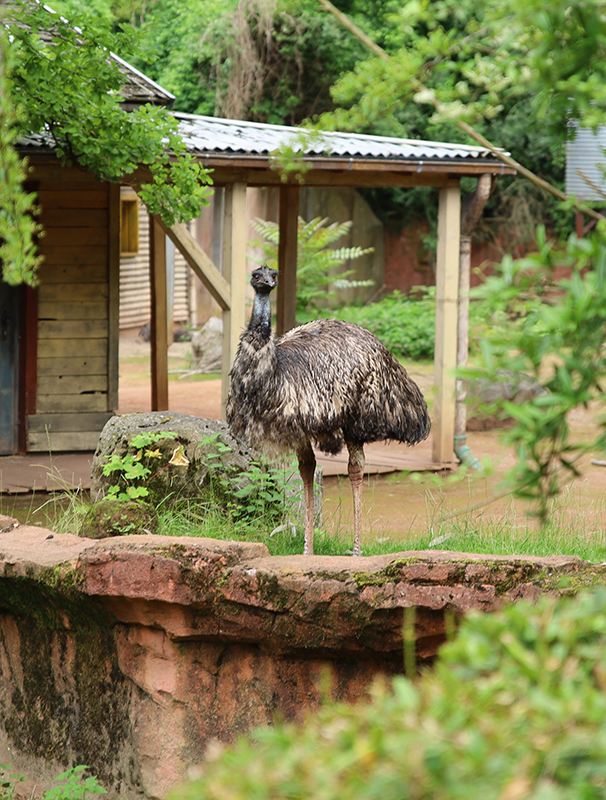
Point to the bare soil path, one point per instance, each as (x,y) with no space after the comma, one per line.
(395,505)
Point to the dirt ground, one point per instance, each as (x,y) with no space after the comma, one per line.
(395,505)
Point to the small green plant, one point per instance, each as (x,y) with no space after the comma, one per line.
(9,782)
(132,470)
(316,261)
(73,785)
(260,492)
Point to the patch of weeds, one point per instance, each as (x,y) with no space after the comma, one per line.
(133,470)
(9,782)
(74,785)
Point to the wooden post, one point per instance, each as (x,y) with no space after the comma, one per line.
(287,259)
(463,334)
(159,332)
(447,288)
(113,303)
(471,211)
(234,272)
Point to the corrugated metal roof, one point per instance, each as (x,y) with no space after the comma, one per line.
(214,135)
(585,154)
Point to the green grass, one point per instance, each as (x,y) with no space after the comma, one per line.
(214,524)
(576,528)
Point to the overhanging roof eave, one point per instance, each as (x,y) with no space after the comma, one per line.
(460,166)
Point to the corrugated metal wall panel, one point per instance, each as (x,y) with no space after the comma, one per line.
(181,300)
(585,153)
(135,296)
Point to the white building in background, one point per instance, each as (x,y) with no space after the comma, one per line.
(585,164)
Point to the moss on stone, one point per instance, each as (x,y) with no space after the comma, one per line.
(273,593)
(588,576)
(63,578)
(114,518)
(70,700)
(388,574)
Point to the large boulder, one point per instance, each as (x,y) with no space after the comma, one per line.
(188,457)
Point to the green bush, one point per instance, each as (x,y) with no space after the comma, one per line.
(515,708)
(405,325)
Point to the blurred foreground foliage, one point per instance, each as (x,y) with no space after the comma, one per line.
(553,329)
(515,708)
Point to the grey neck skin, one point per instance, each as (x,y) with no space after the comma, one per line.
(260,320)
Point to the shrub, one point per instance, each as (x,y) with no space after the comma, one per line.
(316,260)
(515,708)
(405,325)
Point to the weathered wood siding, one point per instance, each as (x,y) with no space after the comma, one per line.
(135,296)
(76,354)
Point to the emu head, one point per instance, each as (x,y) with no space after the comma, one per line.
(264,279)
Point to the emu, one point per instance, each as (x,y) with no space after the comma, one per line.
(327,382)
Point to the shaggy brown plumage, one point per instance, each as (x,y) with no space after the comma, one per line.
(328,382)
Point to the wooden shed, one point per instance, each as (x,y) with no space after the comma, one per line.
(242,154)
(59,366)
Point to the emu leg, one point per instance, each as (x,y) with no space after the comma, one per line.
(355,470)
(307,467)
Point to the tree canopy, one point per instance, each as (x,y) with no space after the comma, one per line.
(516,70)
(59,81)
(507,68)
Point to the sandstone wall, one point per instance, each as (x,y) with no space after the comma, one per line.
(131,655)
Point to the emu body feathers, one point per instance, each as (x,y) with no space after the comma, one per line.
(328,382)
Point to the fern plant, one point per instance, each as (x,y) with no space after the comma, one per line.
(316,260)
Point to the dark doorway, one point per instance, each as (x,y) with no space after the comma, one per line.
(10,302)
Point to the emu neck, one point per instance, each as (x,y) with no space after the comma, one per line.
(260,320)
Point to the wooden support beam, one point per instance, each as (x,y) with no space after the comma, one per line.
(199,262)
(113,300)
(159,332)
(234,273)
(447,291)
(287,258)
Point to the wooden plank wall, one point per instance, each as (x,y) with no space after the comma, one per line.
(73,391)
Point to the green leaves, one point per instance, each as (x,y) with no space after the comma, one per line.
(73,785)
(132,470)
(69,89)
(316,261)
(553,330)
(17,227)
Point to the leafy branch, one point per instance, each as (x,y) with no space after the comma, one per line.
(69,90)
(561,345)
(18,229)
(474,86)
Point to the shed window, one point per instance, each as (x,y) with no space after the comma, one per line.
(129,226)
